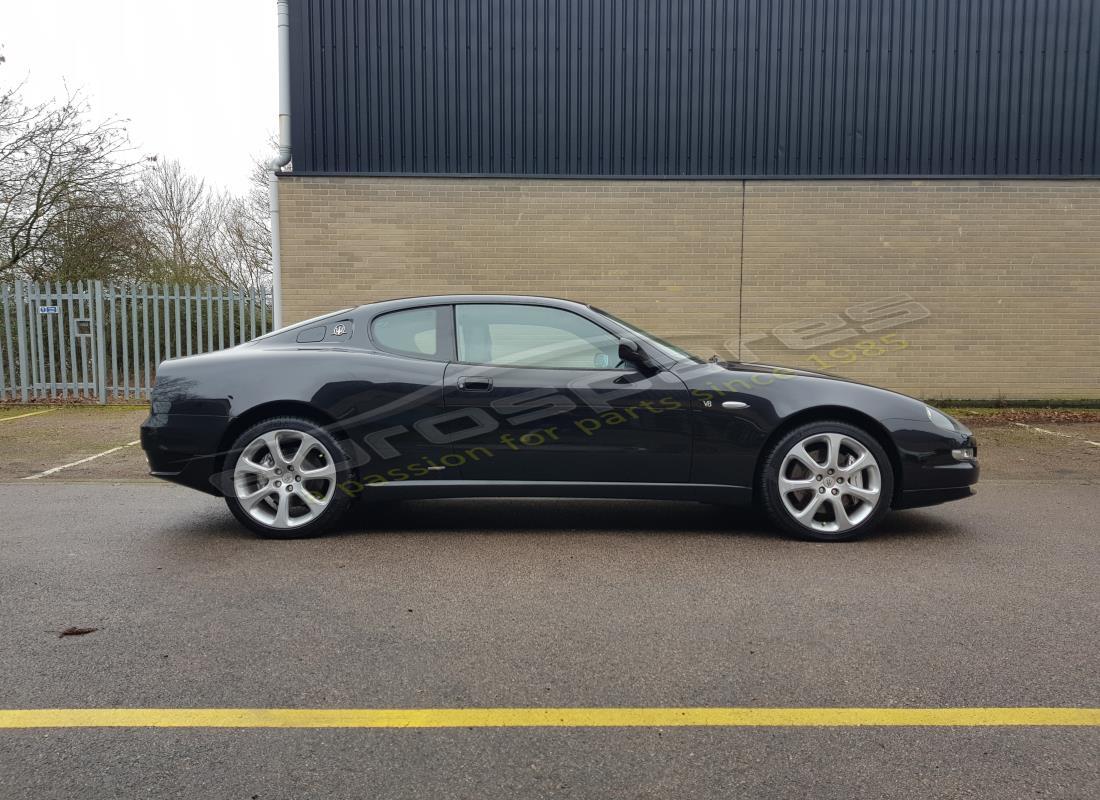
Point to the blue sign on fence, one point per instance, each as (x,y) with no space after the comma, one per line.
(47,309)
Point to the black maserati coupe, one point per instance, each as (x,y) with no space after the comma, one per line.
(493,395)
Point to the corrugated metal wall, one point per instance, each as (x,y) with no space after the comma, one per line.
(697,87)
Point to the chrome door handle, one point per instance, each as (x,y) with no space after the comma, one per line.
(733,405)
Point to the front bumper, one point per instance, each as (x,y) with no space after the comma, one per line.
(918,498)
(183,449)
(933,475)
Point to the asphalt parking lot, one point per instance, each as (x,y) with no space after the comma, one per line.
(990,602)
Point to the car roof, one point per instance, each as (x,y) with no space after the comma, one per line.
(440,299)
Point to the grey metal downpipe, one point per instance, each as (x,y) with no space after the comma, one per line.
(280,161)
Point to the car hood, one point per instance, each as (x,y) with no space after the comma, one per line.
(777,369)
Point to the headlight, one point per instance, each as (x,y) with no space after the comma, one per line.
(940,420)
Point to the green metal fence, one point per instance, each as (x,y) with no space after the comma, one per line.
(102,342)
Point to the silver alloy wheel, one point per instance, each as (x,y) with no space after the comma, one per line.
(830,482)
(284,479)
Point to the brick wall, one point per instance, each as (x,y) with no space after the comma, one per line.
(999,281)
(1009,273)
(665,253)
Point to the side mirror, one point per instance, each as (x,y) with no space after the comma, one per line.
(631,353)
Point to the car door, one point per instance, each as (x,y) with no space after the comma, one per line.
(537,394)
(401,393)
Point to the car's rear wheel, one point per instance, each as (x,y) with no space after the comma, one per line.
(827,481)
(285,477)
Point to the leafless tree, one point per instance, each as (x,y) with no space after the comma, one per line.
(241,252)
(176,210)
(76,203)
(107,243)
(196,234)
(55,162)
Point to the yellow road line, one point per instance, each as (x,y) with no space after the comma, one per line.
(28,414)
(540,717)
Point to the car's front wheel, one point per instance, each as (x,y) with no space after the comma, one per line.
(285,478)
(827,481)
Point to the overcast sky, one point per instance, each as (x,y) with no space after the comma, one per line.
(197,79)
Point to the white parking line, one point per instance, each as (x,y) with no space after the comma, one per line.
(81,461)
(29,414)
(1056,433)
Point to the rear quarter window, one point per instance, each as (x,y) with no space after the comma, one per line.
(412,331)
(315,333)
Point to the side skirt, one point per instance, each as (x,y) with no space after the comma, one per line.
(708,493)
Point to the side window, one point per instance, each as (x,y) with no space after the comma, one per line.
(414,332)
(532,336)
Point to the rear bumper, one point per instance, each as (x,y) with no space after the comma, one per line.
(183,449)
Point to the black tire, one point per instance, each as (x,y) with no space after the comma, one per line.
(337,503)
(767,489)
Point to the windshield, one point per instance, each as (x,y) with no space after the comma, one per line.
(667,348)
